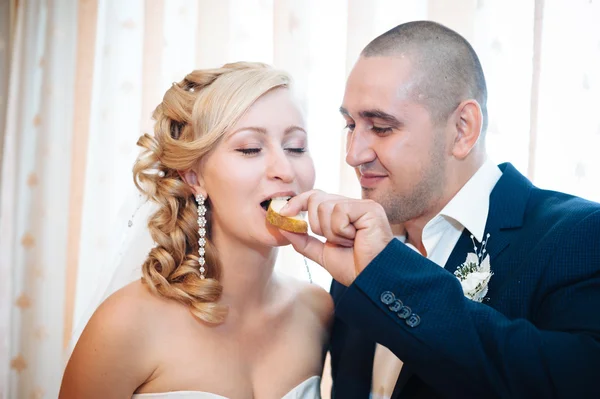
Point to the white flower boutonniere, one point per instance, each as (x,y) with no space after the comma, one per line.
(475,273)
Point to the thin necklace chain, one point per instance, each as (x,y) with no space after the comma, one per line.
(308,270)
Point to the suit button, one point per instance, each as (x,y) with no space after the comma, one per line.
(396,306)
(413,321)
(404,312)
(388,298)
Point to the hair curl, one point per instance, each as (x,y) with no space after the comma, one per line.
(191,120)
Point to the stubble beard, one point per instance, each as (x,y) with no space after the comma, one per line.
(401,208)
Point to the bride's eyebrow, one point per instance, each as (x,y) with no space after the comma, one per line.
(262,130)
(293,128)
(255,129)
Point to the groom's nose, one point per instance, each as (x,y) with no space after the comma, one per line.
(359,149)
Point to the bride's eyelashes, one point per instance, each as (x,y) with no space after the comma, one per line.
(255,151)
(296,150)
(249,151)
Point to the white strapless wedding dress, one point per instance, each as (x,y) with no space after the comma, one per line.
(309,389)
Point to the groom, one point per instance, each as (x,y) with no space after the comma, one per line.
(406,326)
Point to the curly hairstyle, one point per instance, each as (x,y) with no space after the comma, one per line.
(192,119)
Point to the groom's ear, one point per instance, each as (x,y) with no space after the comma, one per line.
(467,121)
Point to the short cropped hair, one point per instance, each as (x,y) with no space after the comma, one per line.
(445,65)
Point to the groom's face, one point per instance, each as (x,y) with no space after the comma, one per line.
(399,155)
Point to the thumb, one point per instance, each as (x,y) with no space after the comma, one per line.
(306,245)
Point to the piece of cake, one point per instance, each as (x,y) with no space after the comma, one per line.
(295,224)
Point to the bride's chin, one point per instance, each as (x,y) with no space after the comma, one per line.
(276,239)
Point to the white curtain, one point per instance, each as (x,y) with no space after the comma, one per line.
(35,198)
(87,74)
(5,35)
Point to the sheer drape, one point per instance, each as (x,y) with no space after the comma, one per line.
(35,197)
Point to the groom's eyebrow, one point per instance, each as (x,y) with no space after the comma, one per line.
(379,114)
(375,114)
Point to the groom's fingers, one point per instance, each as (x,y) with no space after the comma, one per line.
(360,213)
(340,223)
(316,203)
(305,202)
(323,214)
(373,231)
(306,245)
(297,204)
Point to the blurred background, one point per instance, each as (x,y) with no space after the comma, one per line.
(80,78)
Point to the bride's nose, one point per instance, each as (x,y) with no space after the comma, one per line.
(279,167)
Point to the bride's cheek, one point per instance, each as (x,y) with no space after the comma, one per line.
(309,170)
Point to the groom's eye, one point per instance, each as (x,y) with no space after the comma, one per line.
(381,130)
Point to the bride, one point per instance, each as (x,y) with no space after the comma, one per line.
(209,319)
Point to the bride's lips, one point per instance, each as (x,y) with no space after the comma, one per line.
(370,180)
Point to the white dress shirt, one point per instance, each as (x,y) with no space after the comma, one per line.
(467,209)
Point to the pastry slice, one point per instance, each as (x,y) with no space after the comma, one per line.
(295,224)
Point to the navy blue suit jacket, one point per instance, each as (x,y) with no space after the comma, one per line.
(537,335)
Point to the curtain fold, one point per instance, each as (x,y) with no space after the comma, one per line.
(35,196)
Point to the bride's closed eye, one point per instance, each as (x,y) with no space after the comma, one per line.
(255,151)
(297,150)
(249,151)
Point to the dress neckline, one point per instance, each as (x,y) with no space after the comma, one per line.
(177,393)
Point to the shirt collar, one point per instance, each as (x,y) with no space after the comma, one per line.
(470,206)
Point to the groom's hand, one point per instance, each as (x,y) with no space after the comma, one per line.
(355,230)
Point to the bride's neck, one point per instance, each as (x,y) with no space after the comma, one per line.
(246,274)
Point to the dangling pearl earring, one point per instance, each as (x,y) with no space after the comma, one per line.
(202,233)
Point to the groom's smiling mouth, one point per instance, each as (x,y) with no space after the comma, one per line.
(370,180)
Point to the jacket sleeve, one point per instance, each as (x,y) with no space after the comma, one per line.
(462,348)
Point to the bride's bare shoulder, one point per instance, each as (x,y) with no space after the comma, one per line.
(136,292)
(116,350)
(317,300)
(131,300)
(132,312)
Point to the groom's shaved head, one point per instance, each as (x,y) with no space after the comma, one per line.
(445,66)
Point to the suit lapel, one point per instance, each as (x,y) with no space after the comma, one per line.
(463,246)
(508,201)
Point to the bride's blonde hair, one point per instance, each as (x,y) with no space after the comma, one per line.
(191,120)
